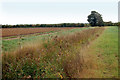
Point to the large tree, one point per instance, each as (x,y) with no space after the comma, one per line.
(95,19)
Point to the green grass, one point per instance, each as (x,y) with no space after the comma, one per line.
(106,48)
(10,45)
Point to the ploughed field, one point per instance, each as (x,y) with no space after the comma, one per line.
(6,32)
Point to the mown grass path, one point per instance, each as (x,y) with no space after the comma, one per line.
(105,52)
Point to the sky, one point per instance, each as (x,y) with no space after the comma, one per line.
(55,11)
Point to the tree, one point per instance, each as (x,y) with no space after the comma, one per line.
(95,19)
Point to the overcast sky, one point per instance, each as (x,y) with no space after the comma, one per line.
(55,11)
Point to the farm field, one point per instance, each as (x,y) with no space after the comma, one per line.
(90,52)
(7,32)
(59,39)
(10,43)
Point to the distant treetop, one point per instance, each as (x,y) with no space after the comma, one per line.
(95,19)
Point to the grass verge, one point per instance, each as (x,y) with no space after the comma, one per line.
(105,50)
(57,57)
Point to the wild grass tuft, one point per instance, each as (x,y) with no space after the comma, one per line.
(58,57)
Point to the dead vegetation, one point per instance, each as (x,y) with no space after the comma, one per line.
(54,58)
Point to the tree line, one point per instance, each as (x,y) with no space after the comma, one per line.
(46,25)
(56,25)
